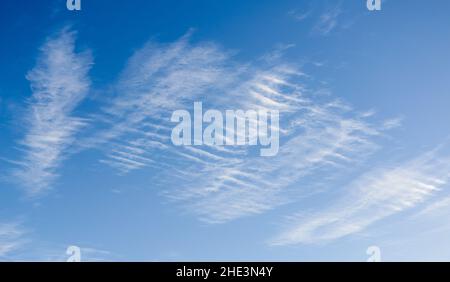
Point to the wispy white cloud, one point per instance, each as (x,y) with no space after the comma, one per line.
(224,183)
(375,195)
(41,251)
(317,137)
(438,207)
(299,15)
(59,82)
(11,238)
(58,253)
(158,79)
(328,21)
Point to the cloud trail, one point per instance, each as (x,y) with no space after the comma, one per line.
(59,83)
(224,183)
(377,194)
(10,238)
(328,21)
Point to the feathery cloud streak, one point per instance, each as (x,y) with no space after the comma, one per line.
(328,21)
(10,238)
(224,183)
(59,82)
(375,195)
(218,184)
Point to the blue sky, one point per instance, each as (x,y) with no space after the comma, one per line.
(85,151)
